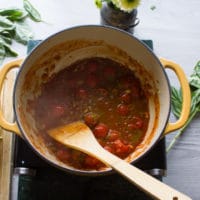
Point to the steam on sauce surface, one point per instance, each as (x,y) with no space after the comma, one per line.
(104,94)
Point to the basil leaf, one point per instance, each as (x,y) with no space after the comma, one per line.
(10,52)
(12,26)
(5,23)
(32,12)
(195,77)
(2,53)
(6,39)
(22,33)
(13,14)
(176,98)
(10,33)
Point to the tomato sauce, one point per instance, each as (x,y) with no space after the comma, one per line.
(104,94)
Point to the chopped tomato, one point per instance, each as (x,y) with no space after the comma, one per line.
(122,109)
(63,155)
(101,130)
(91,162)
(91,119)
(121,148)
(113,135)
(105,95)
(108,148)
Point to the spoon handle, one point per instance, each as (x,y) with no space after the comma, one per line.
(147,183)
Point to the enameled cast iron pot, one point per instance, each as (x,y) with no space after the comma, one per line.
(68,46)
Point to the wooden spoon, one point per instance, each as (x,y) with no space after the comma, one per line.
(77,135)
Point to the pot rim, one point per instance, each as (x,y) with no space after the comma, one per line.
(77,171)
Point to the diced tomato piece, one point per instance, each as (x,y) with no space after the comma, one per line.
(121,148)
(118,144)
(91,162)
(101,130)
(91,119)
(126,97)
(92,81)
(122,109)
(108,148)
(113,135)
(63,155)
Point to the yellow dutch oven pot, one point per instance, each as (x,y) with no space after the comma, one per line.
(63,48)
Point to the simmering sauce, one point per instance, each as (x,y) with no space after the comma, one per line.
(105,95)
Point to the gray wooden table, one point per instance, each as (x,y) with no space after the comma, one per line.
(174,27)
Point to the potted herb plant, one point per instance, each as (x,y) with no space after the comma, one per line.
(119,13)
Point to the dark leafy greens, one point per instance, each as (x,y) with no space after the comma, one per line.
(13,26)
(195,101)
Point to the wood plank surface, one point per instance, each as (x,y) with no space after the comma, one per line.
(6,141)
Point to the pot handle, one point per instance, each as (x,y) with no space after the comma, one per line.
(186,96)
(3,72)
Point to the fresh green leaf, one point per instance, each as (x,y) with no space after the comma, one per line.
(195,77)
(22,33)
(2,53)
(98,3)
(10,52)
(32,12)
(5,23)
(10,33)
(2,29)
(195,102)
(7,51)
(6,39)
(176,98)
(13,26)
(13,14)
